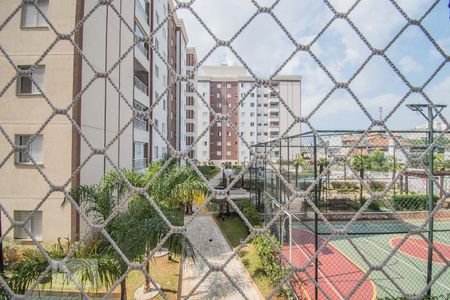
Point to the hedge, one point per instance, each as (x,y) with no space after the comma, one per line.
(249,210)
(411,202)
(345,185)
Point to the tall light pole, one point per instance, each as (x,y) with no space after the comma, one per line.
(428,112)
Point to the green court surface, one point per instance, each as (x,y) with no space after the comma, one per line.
(373,241)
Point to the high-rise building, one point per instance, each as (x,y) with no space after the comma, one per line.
(261,117)
(52,147)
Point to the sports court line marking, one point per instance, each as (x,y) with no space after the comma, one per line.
(406,263)
(414,242)
(326,279)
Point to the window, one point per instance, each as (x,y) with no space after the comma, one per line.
(156,123)
(228,96)
(204,124)
(218,96)
(228,85)
(252,104)
(252,114)
(156,71)
(228,153)
(205,143)
(163,128)
(157,19)
(164,104)
(252,133)
(31,17)
(219,124)
(219,86)
(228,144)
(219,153)
(156,44)
(27,87)
(219,105)
(156,149)
(34,224)
(252,95)
(33,144)
(219,144)
(252,124)
(205,114)
(228,133)
(242,124)
(164,78)
(219,133)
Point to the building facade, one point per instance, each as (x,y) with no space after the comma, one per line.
(259,118)
(100,106)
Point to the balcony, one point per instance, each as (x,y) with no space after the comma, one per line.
(139,163)
(142,16)
(141,92)
(140,124)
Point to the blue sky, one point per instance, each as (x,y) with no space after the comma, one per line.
(264,47)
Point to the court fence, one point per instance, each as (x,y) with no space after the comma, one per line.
(368,199)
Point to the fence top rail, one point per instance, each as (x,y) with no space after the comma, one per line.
(330,133)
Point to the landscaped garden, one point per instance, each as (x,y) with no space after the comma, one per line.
(130,221)
(259,256)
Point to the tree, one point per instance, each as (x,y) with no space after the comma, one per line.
(298,162)
(361,163)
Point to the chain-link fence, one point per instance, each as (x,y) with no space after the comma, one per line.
(363,218)
(368,201)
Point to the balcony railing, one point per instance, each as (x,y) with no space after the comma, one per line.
(141,12)
(140,86)
(139,163)
(140,124)
(143,49)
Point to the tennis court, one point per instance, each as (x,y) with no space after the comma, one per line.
(343,262)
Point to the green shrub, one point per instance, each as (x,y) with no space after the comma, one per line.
(377,186)
(345,185)
(375,205)
(249,210)
(270,258)
(411,202)
(209,171)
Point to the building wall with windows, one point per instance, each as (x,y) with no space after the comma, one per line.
(202,112)
(160,81)
(24,110)
(259,117)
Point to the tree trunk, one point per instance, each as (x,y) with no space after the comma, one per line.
(123,290)
(147,285)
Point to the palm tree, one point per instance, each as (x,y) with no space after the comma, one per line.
(87,264)
(298,162)
(361,163)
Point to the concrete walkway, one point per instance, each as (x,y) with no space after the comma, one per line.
(208,239)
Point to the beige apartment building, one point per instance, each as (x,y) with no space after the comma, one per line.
(51,154)
(260,118)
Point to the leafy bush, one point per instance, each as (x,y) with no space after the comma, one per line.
(345,185)
(411,202)
(209,171)
(375,205)
(377,186)
(249,210)
(270,259)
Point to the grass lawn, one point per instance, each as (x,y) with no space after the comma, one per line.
(163,271)
(235,231)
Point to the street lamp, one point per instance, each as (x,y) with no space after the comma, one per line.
(428,112)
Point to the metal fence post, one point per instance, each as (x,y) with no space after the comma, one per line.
(316,238)
(430,199)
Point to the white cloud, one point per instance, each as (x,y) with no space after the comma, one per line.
(409,65)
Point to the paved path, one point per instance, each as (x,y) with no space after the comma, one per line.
(208,238)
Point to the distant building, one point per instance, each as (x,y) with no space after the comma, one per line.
(261,117)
